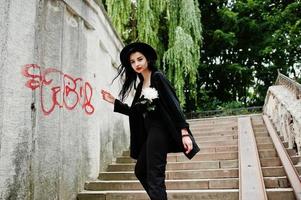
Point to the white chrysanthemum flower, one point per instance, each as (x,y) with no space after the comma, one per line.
(150,93)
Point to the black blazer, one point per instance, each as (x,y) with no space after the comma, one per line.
(172,115)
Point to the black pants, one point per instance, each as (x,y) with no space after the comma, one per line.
(151,163)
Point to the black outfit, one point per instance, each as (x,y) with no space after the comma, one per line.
(151,162)
(155,134)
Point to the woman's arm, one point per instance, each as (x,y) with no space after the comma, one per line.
(118,105)
(121,107)
(171,102)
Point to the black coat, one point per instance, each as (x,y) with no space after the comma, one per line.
(172,115)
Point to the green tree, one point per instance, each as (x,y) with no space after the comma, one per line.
(245,42)
(183,55)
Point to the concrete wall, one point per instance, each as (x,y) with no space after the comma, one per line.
(284,110)
(55,130)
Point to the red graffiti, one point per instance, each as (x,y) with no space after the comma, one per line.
(58,89)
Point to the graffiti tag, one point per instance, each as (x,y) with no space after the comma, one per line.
(58,89)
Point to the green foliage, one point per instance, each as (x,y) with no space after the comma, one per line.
(225,39)
(230,105)
(147,23)
(182,58)
(120,13)
(245,43)
(232,108)
(206,102)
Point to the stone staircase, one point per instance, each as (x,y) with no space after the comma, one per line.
(276,183)
(211,174)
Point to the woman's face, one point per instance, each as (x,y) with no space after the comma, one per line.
(138,62)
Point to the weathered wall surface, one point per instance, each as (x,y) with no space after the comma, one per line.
(55,130)
(284,109)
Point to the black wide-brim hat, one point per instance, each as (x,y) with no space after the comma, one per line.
(148,51)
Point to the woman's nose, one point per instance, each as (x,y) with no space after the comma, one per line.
(134,64)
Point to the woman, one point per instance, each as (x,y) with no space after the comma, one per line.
(157,123)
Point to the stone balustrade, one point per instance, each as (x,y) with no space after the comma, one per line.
(290,84)
(283,106)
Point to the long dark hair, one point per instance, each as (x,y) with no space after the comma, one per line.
(127,73)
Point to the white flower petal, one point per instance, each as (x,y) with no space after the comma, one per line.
(150,93)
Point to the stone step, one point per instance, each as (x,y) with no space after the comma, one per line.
(228,194)
(219,126)
(275,171)
(263,146)
(176,174)
(225,133)
(216,164)
(259,128)
(188,184)
(225,194)
(265,142)
(261,134)
(215,138)
(263,139)
(258,133)
(213,133)
(214,128)
(213,124)
(202,131)
(182,165)
(216,153)
(270,162)
(258,124)
(213,149)
(228,148)
(280,194)
(220,149)
(180,157)
(217,143)
(212,121)
(295,159)
(267,153)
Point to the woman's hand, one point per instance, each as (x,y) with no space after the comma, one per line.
(107,96)
(187,142)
